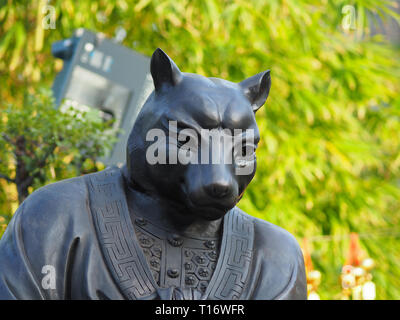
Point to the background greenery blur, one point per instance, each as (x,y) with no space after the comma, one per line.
(329,160)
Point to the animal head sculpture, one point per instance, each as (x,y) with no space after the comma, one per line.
(170,154)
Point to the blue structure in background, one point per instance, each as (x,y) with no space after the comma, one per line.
(103,77)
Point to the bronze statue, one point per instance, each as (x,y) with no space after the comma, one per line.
(160,227)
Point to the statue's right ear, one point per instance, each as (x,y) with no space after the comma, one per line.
(256,89)
(163,70)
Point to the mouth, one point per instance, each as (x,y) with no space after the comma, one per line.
(210,212)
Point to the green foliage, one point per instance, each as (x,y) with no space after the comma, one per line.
(329,158)
(40,144)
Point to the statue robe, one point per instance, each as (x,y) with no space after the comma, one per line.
(74,239)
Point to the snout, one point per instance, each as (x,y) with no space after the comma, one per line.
(211,190)
(218,189)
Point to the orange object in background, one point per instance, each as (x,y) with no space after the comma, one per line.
(356,279)
(355,254)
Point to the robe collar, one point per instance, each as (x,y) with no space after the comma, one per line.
(126,261)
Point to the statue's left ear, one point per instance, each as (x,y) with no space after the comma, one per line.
(256,89)
(163,70)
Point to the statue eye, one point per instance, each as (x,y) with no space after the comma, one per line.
(245,154)
(180,143)
(248,150)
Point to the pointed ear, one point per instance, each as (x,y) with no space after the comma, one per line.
(163,70)
(256,89)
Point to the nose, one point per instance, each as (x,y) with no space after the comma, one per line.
(218,189)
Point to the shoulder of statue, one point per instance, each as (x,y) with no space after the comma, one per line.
(63,203)
(278,261)
(270,237)
(48,221)
(55,200)
(105,185)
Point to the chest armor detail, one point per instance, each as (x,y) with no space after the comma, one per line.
(176,260)
(122,241)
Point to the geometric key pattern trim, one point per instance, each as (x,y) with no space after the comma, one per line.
(126,260)
(119,247)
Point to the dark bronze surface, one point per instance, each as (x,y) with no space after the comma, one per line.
(156,231)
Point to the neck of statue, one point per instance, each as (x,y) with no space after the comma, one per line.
(168,215)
